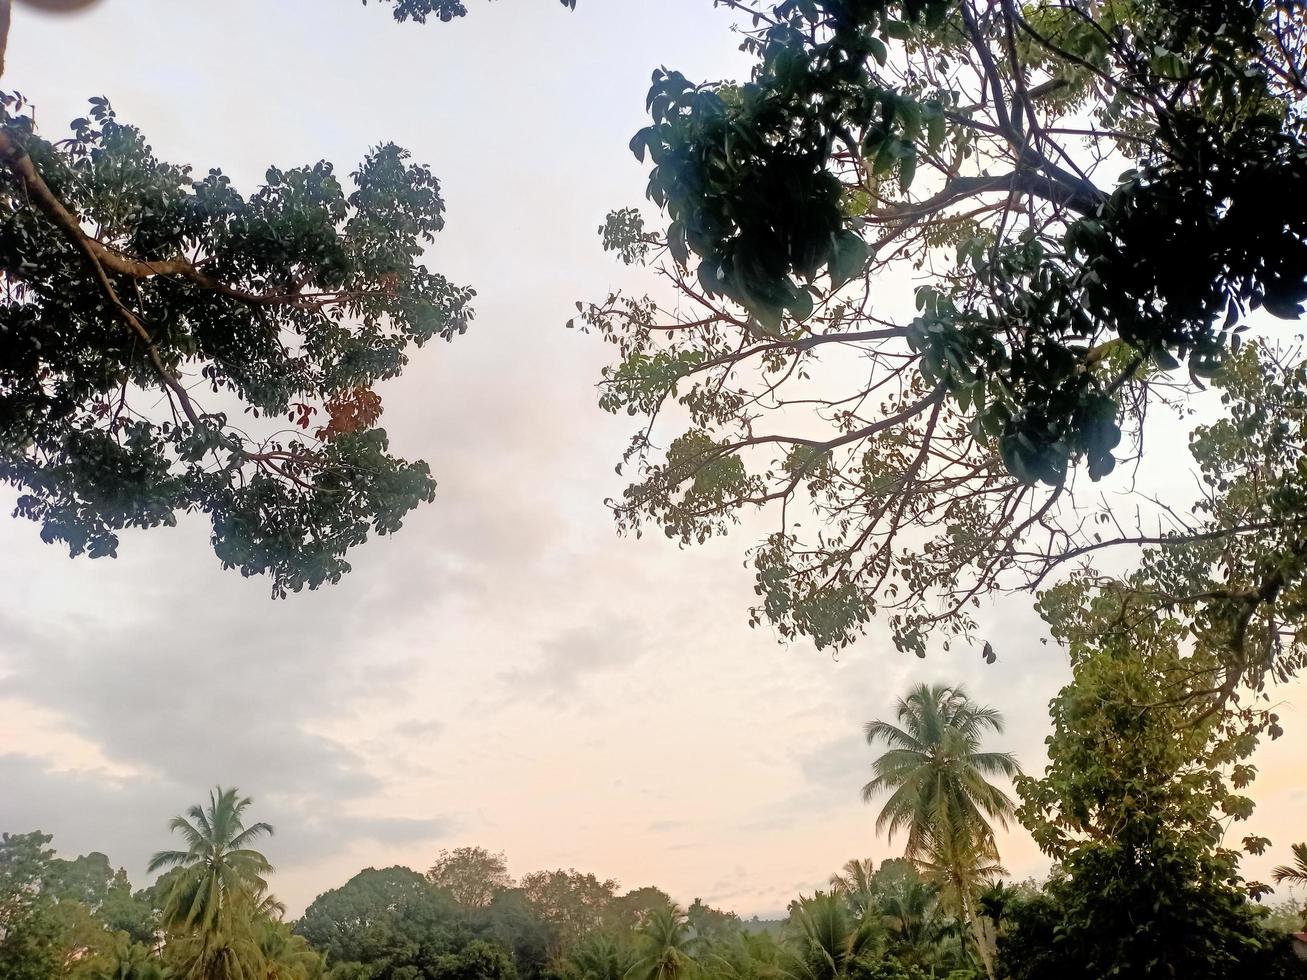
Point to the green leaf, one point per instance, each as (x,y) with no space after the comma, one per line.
(907,170)
(897,30)
(849,256)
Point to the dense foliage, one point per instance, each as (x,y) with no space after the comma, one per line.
(289,303)
(1141,790)
(1096,195)
(397,924)
(130,285)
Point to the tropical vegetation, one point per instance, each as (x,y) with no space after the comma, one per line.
(1130,809)
(1100,201)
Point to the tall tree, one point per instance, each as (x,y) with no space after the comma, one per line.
(1088,195)
(940,794)
(222,879)
(709,924)
(473,876)
(935,772)
(376,912)
(631,908)
(24,865)
(572,902)
(45,931)
(127,281)
(105,892)
(1147,779)
(513,924)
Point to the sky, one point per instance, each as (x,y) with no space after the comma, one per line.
(506,671)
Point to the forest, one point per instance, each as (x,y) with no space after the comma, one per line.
(927,294)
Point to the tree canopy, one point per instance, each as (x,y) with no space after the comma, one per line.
(128,277)
(170,343)
(471,875)
(1144,789)
(1096,200)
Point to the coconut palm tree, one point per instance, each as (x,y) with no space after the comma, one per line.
(128,961)
(940,794)
(663,946)
(221,877)
(909,908)
(960,866)
(934,769)
(1296,873)
(599,956)
(747,956)
(854,882)
(829,940)
(287,956)
(224,955)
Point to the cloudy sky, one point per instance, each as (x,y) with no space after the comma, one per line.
(505,672)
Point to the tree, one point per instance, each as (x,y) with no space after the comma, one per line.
(222,878)
(935,772)
(393,924)
(477,960)
(1286,916)
(106,893)
(896,895)
(286,955)
(45,930)
(709,924)
(24,863)
(940,794)
(909,907)
(747,955)
(663,943)
(129,960)
(512,923)
(379,914)
(976,146)
(126,278)
(290,303)
(472,875)
(572,902)
(829,941)
(600,956)
(854,882)
(1150,759)
(1147,774)
(445,10)
(227,955)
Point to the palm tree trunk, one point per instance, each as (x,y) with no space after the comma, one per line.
(983,941)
